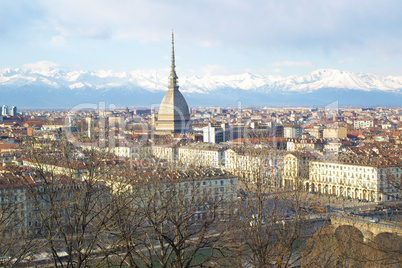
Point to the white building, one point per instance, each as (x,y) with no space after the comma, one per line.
(255,166)
(193,187)
(90,122)
(4,110)
(168,153)
(13,111)
(363,123)
(354,180)
(132,152)
(295,169)
(75,169)
(201,156)
(335,132)
(215,134)
(292,131)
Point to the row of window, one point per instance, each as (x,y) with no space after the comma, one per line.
(361,169)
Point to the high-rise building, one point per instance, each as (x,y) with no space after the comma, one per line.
(173,114)
(4,110)
(215,134)
(13,111)
(292,131)
(90,123)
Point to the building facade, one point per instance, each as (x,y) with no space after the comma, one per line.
(292,131)
(338,132)
(353,180)
(4,110)
(363,123)
(214,134)
(201,156)
(295,169)
(265,166)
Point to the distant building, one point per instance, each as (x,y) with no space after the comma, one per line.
(168,153)
(4,110)
(36,125)
(304,144)
(191,186)
(316,132)
(361,180)
(277,130)
(296,169)
(116,121)
(389,126)
(338,132)
(238,131)
(215,134)
(292,131)
(13,111)
(13,194)
(262,166)
(173,114)
(90,122)
(201,156)
(363,123)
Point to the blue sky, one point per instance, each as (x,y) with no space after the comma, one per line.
(269,37)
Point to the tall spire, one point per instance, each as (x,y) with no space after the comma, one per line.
(173,63)
(173,113)
(173,76)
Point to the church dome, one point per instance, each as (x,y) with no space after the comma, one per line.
(173,104)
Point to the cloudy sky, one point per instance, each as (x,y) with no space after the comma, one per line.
(267,37)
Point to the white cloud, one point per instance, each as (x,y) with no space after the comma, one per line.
(314,23)
(42,67)
(253,30)
(293,63)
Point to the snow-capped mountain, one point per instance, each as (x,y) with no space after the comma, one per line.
(69,87)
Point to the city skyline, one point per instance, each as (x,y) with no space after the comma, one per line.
(229,37)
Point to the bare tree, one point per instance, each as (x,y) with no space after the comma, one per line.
(271,221)
(17,243)
(173,218)
(70,203)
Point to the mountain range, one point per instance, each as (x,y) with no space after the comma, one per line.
(53,87)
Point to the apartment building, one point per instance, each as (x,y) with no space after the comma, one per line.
(292,131)
(295,169)
(335,132)
(367,180)
(201,156)
(363,123)
(255,165)
(193,187)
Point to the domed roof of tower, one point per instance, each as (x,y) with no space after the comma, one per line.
(173,104)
